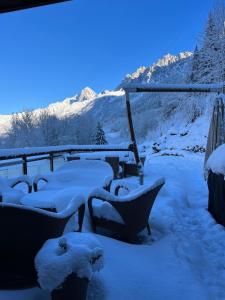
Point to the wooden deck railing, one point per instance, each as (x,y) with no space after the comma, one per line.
(23,156)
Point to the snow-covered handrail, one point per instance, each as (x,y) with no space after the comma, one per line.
(23,156)
(186,88)
(33,151)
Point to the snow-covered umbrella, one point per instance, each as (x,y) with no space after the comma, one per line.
(216,135)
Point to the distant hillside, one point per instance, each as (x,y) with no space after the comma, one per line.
(157,117)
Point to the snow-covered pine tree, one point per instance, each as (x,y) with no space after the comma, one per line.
(100,135)
(194,77)
(211,57)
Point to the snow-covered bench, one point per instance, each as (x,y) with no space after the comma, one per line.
(124,215)
(73,178)
(23,231)
(65,265)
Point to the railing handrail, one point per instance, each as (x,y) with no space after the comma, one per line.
(35,151)
(30,154)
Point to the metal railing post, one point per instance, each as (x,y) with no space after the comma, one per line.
(51,160)
(24,165)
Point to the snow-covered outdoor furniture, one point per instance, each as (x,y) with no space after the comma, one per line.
(23,231)
(215,167)
(65,265)
(9,194)
(73,178)
(124,215)
(129,168)
(112,160)
(79,173)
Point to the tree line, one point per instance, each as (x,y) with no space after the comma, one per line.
(208,64)
(30,129)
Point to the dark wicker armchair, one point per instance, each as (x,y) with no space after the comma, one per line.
(11,195)
(125,216)
(23,231)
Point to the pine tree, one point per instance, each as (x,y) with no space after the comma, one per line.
(195,66)
(211,56)
(100,135)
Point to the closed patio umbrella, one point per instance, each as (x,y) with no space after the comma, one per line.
(216,135)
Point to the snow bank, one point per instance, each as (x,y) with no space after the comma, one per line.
(79,253)
(216,161)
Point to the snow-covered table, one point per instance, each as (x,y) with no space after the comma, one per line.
(72,179)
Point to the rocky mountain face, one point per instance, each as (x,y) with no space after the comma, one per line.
(168,69)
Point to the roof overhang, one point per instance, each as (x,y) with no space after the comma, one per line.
(12,5)
(175,88)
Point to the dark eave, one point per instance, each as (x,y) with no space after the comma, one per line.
(13,5)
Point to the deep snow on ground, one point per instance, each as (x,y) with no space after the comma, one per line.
(184,257)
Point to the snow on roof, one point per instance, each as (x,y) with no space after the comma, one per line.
(216,161)
(79,253)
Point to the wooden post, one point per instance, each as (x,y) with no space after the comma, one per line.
(24,165)
(133,139)
(51,159)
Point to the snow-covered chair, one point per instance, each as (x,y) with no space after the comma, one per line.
(73,178)
(9,194)
(23,231)
(127,215)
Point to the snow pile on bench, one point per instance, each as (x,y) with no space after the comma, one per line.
(79,253)
(216,161)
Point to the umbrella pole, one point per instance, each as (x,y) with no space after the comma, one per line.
(133,139)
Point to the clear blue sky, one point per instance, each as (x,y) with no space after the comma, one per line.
(52,52)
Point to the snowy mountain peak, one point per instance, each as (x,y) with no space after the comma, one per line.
(86,94)
(168,69)
(169,59)
(136,74)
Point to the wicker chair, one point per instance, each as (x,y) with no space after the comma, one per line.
(23,232)
(11,195)
(125,216)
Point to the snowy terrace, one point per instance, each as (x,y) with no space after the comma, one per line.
(183,258)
